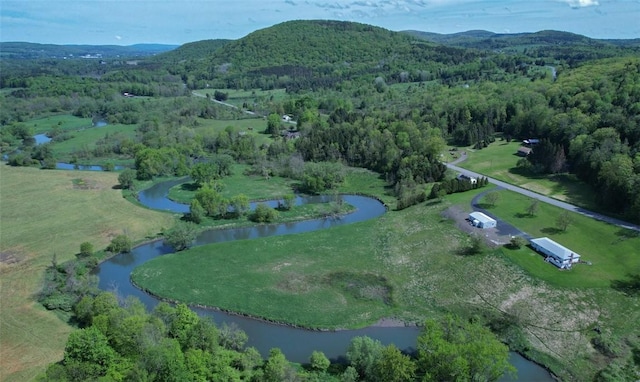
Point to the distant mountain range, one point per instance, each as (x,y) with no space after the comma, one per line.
(284,39)
(481,39)
(27,50)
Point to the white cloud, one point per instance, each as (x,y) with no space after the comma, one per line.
(581,3)
(118,37)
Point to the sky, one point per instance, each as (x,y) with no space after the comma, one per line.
(127,22)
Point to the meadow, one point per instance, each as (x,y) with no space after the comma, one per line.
(404,265)
(43,213)
(613,252)
(499,161)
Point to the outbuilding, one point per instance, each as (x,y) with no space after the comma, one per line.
(480,220)
(555,253)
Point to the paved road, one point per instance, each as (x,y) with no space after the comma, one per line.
(543,198)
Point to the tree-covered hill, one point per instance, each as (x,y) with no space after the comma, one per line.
(192,51)
(548,44)
(316,53)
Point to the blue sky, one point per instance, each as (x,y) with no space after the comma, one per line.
(126,22)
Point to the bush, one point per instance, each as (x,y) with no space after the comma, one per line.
(263,214)
(120,244)
(86,249)
(517,242)
(181,236)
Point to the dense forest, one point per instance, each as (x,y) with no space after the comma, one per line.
(361,96)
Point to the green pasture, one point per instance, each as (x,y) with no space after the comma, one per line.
(86,139)
(64,122)
(499,161)
(614,252)
(255,187)
(239,97)
(47,213)
(254,127)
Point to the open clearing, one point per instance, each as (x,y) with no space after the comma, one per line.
(499,161)
(42,213)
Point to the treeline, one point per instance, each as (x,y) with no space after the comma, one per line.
(118,339)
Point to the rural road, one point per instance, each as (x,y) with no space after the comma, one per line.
(223,103)
(543,198)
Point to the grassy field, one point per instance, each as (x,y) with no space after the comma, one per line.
(239,97)
(251,126)
(44,213)
(499,160)
(404,265)
(65,122)
(358,181)
(614,252)
(87,139)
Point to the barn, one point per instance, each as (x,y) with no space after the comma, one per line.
(480,220)
(555,253)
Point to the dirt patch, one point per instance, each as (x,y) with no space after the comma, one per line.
(9,258)
(84,184)
(491,235)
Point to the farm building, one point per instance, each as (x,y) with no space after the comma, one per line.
(555,253)
(524,151)
(480,220)
(471,179)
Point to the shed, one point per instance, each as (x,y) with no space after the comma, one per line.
(480,220)
(524,151)
(555,253)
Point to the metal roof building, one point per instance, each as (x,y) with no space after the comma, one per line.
(481,220)
(556,254)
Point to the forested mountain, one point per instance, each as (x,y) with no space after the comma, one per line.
(570,47)
(27,50)
(198,50)
(316,54)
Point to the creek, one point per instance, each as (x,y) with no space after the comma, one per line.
(297,344)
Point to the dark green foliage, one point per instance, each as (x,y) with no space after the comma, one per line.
(87,354)
(517,242)
(322,176)
(120,244)
(127,178)
(66,284)
(475,246)
(212,201)
(263,214)
(319,362)
(362,354)
(288,201)
(393,366)
(181,235)
(454,349)
(86,249)
(196,212)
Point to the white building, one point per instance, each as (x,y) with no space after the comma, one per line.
(480,220)
(555,253)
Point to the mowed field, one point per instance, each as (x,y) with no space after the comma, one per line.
(499,161)
(44,213)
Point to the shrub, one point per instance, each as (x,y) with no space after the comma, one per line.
(86,249)
(517,242)
(120,244)
(263,214)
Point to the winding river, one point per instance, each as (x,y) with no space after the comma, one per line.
(296,344)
